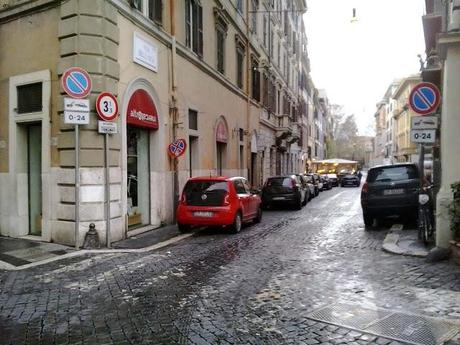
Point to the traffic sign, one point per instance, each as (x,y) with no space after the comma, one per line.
(423,135)
(76,82)
(105,127)
(177,148)
(73,104)
(107,106)
(424,98)
(76,117)
(424,122)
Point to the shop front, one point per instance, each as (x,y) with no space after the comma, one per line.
(141,126)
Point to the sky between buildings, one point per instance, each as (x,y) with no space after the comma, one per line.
(356,62)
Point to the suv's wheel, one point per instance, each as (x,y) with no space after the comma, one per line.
(368,219)
(237,223)
(258,217)
(183,228)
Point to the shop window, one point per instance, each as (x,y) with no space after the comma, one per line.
(29,98)
(194,26)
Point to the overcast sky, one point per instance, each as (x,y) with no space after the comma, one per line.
(356,62)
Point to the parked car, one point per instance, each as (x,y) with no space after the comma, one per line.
(218,201)
(284,189)
(304,181)
(327,184)
(315,179)
(350,180)
(311,185)
(390,190)
(334,180)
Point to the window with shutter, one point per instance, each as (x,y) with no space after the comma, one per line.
(194,26)
(155,10)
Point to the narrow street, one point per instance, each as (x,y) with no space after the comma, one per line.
(261,286)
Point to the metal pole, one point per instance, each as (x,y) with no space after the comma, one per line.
(77,185)
(421,159)
(107,189)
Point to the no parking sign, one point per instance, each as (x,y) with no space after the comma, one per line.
(177,148)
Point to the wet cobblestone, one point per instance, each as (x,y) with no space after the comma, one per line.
(257,287)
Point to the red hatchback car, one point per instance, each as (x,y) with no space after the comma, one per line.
(218,201)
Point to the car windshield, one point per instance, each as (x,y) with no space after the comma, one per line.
(279,182)
(205,193)
(393,174)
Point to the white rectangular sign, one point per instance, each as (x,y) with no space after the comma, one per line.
(424,122)
(423,135)
(74,104)
(76,118)
(145,52)
(105,127)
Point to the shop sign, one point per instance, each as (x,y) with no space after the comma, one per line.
(145,53)
(221,132)
(141,110)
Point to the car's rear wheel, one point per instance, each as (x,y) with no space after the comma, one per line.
(307,197)
(183,228)
(368,219)
(237,223)
(258,217)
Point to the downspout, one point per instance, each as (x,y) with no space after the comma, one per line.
(173,104)
(248,98)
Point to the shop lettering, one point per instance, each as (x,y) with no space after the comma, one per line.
(142,116)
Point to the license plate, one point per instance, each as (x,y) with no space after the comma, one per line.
(202,214)
(278,198)
(393,191)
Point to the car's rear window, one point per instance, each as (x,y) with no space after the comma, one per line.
(279,182)
(205,193)
(392,174)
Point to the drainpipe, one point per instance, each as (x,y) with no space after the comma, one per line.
(173,106)
(248,97)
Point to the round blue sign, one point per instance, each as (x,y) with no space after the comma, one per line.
(76,82)
(424,98)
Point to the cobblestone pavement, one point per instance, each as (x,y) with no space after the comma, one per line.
(256,287)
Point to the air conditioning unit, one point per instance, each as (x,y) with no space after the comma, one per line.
(137,4)
(454,17)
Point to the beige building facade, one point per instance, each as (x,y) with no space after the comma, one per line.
(203,71)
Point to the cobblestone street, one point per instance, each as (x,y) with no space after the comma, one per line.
(260,286)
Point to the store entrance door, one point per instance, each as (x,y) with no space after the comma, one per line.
(34,177)
(138,168)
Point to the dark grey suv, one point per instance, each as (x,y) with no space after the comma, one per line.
(390,190)
(284,189)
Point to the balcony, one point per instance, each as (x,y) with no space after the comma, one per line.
(284,128)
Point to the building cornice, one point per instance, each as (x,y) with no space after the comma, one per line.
(445,41)
(24,8)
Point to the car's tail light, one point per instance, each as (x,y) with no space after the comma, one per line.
(183,199)
(226,199)
(293,183)
(365,188)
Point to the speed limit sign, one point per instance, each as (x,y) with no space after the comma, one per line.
(107,106)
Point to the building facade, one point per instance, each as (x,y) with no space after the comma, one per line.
(222,75)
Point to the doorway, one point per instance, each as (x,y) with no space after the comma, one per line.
(34,177)
(138,169)
(221,149)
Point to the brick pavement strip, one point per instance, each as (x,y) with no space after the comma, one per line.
(256,287)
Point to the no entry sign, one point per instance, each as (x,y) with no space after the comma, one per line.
(424,98)
(177,148)
(76,82)
(107,106)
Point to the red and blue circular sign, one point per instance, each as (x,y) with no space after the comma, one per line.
(177,148)
(76,82)
(424,98)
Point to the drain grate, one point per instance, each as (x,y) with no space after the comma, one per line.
(412,329)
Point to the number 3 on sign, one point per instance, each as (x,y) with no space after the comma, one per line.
(107,106)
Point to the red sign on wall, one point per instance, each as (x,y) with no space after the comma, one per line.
(221,132)
(141,110)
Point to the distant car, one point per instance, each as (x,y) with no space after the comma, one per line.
(218,201)
(334,180)
(315,179)
(311,185)
(327,184)
(284,189)
(350,180)
(390,190)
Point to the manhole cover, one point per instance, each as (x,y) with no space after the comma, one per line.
(413,329)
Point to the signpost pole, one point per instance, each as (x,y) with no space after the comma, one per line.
(421,165)
(77,185)
(107,188)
